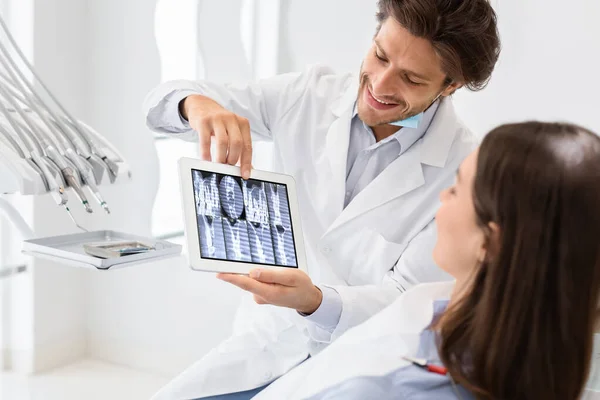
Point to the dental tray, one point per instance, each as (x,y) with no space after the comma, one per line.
(69,249)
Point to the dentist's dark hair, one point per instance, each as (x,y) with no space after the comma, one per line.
(464,34)
(525,328)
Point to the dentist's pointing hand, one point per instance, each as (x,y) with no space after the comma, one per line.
(283,287)
(231,132)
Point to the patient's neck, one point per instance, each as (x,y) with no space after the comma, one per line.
(458,291)
(461,286)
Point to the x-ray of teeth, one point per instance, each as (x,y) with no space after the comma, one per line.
(232,198)
(212,241)
(281,229)
(261,243)
(283,243)
(257,214)
(206,194)
(255,199)
(208,210)
(235,230)
(236,240)
(243,220)
(278,204)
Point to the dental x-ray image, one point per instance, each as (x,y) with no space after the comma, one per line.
(246,221)
(281,226)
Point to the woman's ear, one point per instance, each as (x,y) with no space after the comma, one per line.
(491,246)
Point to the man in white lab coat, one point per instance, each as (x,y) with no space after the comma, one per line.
(369,155)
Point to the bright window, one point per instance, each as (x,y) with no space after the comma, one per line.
(176,37)
(185,44)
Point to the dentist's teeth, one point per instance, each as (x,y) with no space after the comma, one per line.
(379,101)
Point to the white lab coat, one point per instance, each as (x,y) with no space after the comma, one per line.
(369,252)
(374,348)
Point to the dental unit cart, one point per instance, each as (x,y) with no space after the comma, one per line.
(44,149)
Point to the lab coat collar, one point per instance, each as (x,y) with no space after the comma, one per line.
(346,100)
(405,136)
(440,135)
(409,136)
(402,176)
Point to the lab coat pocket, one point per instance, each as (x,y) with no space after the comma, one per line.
(370,257)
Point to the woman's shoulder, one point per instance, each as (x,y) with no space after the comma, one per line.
(431,290)
(406,383)
(421,297)
(410,313)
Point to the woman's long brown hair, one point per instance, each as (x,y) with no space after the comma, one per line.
(525,328)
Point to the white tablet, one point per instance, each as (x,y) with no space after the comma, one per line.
(233,225)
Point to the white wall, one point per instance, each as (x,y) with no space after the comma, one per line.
(548,68)
(336,33)
(59,297)
(48,308)
(16,293)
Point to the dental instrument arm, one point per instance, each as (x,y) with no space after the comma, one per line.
(111,164)
(48,149)
(43,148)
(62,143)
(34,154)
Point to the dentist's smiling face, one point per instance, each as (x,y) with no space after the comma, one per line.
(400,77)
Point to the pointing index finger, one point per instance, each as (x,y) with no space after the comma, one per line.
(246,156)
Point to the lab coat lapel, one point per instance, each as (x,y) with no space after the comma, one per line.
(334,158)
(405,174)
(400,177)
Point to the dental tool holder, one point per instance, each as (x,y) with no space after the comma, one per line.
(69,249)
(19,175)
(44,149)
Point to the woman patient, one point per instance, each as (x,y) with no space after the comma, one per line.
(520,233)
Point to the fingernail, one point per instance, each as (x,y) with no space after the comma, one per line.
(255,273)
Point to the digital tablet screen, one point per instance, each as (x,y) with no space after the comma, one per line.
(244,221)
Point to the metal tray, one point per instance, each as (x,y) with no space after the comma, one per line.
(68,249)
